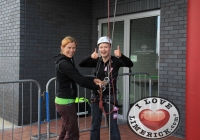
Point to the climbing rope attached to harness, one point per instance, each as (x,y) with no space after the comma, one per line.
(101,102)
(110,76)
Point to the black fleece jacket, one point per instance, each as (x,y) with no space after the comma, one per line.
(67,76)
(102,69)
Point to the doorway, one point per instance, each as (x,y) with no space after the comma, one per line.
(138,36)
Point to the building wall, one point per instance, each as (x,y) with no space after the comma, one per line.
(51,22)
(31,32)
(36,38)
(9,51)
(173,55)
(172,44)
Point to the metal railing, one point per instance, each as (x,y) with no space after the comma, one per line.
(47,107)
(12,90)
(48,120)
(140,82)
(143,82)
(143,79)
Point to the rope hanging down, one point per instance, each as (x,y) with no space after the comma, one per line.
(109,66)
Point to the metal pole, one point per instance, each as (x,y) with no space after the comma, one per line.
(47,107)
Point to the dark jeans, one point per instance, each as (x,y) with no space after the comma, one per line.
(96,122)
(68,115)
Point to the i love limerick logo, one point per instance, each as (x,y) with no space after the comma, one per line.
(153,118)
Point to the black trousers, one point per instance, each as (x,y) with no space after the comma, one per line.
(97,117)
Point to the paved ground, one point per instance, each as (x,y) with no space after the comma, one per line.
(24,133)
(6,125)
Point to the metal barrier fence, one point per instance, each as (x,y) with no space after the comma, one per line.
(48,120)
(141,79)
(138,89)
(12,90)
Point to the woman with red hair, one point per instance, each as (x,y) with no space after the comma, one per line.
(67,76)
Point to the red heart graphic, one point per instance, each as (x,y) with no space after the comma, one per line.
(154,120)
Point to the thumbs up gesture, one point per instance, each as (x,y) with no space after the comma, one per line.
(94,55)
(117,52)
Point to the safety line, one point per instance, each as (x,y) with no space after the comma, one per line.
(109,67)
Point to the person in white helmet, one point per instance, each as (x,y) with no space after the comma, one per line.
(106,69)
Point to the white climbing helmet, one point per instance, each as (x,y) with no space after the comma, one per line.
(104,39)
